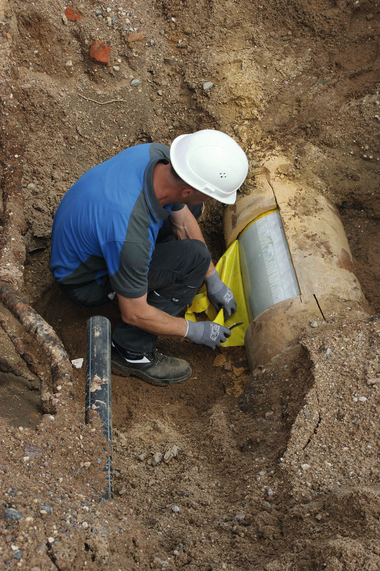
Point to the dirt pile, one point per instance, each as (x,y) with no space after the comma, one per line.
(274,470)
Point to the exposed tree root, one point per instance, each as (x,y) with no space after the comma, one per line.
(19,346)
(33,323)
(6,367)
(12,258)
(12,253)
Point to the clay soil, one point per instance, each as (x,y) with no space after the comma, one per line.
(275,469)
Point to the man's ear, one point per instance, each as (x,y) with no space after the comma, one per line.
(187,191)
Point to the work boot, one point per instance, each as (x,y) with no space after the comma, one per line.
(155,368)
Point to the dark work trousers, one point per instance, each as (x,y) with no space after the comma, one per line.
(176,272)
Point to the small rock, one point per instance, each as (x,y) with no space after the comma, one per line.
(373,381)
(135,82)
(157,458)
(44,509)
(318,517)
(41,549)
(135,37)
(116,68)
(305,467)
(10,514)
(17,554)
(314,324)
(122,491)
(69,63)
(175,509)
(142,457)
(328,351)
(362,399)
(78,363)
(207,85)
(171,453)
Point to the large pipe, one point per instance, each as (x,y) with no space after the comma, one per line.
(267,269)
(295,258)
(98,384)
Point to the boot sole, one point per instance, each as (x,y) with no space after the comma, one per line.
(118,370)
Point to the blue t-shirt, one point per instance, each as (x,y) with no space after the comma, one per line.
(107,223)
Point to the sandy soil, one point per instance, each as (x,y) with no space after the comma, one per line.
(273,470)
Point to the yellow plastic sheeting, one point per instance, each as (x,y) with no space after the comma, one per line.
(229,271)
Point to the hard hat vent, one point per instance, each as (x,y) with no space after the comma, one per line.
(223,175)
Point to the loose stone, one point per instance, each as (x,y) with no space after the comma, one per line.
(10,514)
(175,509)
(207,85)
(135,82)
(157,458)
(171,453)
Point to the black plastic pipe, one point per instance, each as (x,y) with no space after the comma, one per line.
(98,384)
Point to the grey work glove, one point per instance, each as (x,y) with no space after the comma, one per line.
(220,295)
(206,333)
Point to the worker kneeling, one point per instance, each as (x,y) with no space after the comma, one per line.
(114,232)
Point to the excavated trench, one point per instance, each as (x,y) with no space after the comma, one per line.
(274,468)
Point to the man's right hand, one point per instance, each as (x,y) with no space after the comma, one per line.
(207,333)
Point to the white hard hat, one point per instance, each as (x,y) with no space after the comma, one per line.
(211,162)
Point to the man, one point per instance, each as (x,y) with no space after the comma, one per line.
(110,234)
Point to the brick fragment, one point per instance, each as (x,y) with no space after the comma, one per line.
(99,52)
(71,15)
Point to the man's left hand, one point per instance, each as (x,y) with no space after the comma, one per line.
(220,295)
